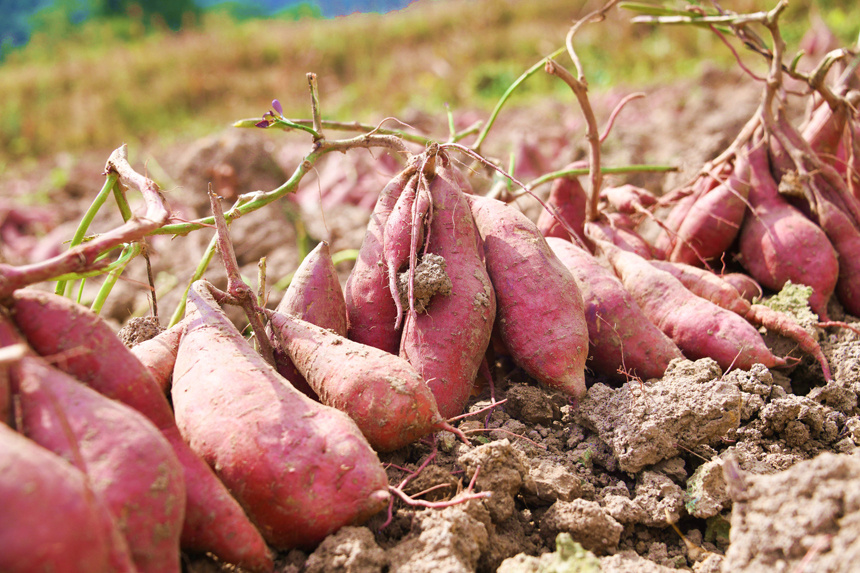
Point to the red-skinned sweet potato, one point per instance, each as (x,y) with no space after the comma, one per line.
(699,327)
(131,466)
(569,201)
(540,316)
(300,469)
(777,243)
(52,520)
(158,354)
(371,310)
(381,392)
(715,289)
(606,228)
(628,199)
(403,234)
(622,341)
(314,295)
(714,220)
(748,288)
(87,348)
(447,343)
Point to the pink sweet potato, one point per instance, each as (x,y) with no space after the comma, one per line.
(85,346)
(714,220)
(314,295)
(52,520)
(158,354)
(778,244)
(541,316)
(682,201)
(622,341)
(403,234)
(748,288)
(569,201)
(447,343)
(606,228)
(381,392)
(628,199)
(370,308)
(131,466)
(300,469)
(699,327)
(715,289)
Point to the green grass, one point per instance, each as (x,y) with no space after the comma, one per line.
(111,82)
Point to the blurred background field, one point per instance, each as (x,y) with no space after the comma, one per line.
(96,73)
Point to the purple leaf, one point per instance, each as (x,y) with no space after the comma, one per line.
(263,123)
(277,105)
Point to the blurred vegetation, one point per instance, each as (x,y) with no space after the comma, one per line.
(132,78)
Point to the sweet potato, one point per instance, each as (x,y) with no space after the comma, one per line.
(371,310)
(606,228)
(569,201)
(403,234)
(777,243)
(131,466)
(699,327)
(158,354)
(85,346)
(300,469)
(682,201)
(314,295)
(748,288)
(715,289)
(714,220)
(52,520)
(622,341)
(447,343)
(541,316)
(381,392)
(831,206)
(628,199)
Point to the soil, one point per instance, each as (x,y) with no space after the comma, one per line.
(701,469)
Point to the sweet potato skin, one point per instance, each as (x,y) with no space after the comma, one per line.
(36,484)
(130,465)
(714,219)
(569,201)
(54,325)
(371,310)
(777,243)
(314,295)
(300,469)
(381,392)
(699,327)
(541,316)
(447,343)
(622,341)
(158,354)
(720,292)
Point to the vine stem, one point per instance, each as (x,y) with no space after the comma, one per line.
(253,201)
(84,256)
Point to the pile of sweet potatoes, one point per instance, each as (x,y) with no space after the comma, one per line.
(198,440)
